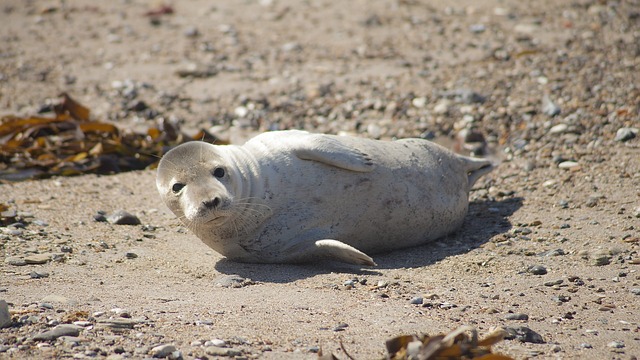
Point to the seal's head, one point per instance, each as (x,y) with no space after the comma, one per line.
(197,183)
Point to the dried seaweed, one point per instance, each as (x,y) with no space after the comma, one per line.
(461,343)
(70,143)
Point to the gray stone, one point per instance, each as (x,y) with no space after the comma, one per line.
(625,134)
(616,344)
(634,291)
(38,259)
(118,324)
(518,316)
(162,351)
(417,300)
(234,281)
(218,351)
(122,217)
(549,108)
(537,270)
(58,331)
(5,316)
(15,261)
(523,334)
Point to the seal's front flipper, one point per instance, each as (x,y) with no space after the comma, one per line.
(329,150)
(330,249)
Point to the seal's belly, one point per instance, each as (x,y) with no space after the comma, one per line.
(415,194)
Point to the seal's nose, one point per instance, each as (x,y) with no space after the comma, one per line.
(211,204)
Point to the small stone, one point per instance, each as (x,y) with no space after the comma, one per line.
(586,346)
(233,281)
(625,134)
(553,283)
(517,316)
(537,270)
(567,164)
(122,217)
(341,327)
(477,28)
(616,344)
(218,351)
(217,342)
(58,331)
(549,108)
(15,261)
(38,274)
(162,351)
(523,334)
(191,32)
(558,129)
(442,107)
(417,300)
(634,291)
(131,255)
(71,340)
(5,316)
(419,102)
(117,324)
(601,259)
(38,258)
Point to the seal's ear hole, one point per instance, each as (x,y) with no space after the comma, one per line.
(177,187)
(218,172)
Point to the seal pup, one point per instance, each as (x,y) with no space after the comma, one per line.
(293,196)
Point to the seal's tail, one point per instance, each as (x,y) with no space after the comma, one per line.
(476,168)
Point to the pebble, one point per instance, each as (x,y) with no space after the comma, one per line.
(523,334)
(558,129)
(233,281)
(162,351)
(191,32)
(586,346)
(616,344)
(601,259)
(634,291)
(15,261)
(442,107)
(626,134)
(417,300)
(131,255)
(217,351)
(477,28)
(567,164)
(5,316)
(122,217)
(58,331)
(38,259)
(117,324)
(517,316)
(553,283)
(537,270)
(38,274)
(549,108)
(341,327)
(216,342)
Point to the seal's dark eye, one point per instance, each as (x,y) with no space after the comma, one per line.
(218,172)
(177,187)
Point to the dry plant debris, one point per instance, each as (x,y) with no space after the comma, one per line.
(461,343)
(70,143)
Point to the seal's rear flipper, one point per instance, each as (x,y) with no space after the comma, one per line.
(330,249)
(476,168)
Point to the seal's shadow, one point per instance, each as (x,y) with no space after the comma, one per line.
(484,220)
